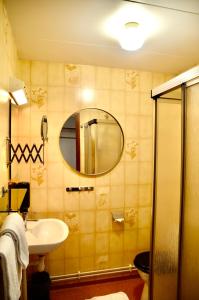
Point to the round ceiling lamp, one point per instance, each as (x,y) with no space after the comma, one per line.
(131,37)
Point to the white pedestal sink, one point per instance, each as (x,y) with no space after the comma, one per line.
(45,235)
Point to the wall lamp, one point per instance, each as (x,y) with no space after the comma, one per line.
(17,92)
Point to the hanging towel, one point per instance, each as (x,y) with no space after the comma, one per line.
(115,296)
(9,269)
(14,226)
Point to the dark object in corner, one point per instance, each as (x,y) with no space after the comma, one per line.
(39,287)
(26,200)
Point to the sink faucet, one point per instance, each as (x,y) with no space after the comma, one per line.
(25,216)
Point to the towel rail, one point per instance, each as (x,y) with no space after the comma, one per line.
(80,189)
(8,211)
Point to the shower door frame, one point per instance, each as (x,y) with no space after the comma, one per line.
(182,81)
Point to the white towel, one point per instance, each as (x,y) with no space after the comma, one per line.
(14,225)
(9,266)
(115,296)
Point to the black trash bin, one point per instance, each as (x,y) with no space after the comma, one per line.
(39,286)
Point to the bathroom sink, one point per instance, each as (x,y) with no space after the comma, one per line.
(45,235)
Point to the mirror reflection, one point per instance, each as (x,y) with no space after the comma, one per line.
(91,141)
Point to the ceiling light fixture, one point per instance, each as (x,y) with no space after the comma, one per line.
(131,37)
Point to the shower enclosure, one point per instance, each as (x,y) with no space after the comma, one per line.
(175,228)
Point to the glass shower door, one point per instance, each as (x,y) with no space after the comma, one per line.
(189,287)
(165,240)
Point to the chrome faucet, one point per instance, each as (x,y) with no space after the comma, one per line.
(25,217)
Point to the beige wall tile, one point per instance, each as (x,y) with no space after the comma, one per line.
(132,80)
(144,217)
(132,123)
(55,123)
(55,175)
(145,81)
(145,194)
(102,99)
(146,127)
(117,102)
(53,150)
(39,72)
(71,178)
(38,201)
(87,245)
(55,199)
(158,78)
(117,79)
(87,264)
(85,181)
(130,240)
(146,104)
(117,175)
(132,102)
(102,197)
(34,124)
(117,197)
(38,175)
(131,218)
(87,222)
(144,239)
(116,260)
(56,74)
(101,261)
(56,97)
(25,71)
(129,257)
(71,265)
(103,180)
(71,201)
(131,173)
(103,78)
(87,76)
(87,201)
(24,122)
(116,242)
(72,75)
(145,150)
(103,219)
(58,253)
(131,195)
(58,215)
(145,172)
(131,150)
(56,267)
(72,246)
(38,98)
(71,218)
(72,101)
(102,243)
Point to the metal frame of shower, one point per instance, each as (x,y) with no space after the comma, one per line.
(184,80)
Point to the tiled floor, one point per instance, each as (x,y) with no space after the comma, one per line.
(131,285)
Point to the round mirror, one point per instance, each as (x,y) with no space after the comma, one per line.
(91,141)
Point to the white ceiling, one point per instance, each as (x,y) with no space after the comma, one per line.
(72,31)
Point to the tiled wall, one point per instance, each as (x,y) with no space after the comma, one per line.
(95,242)
(8,68)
